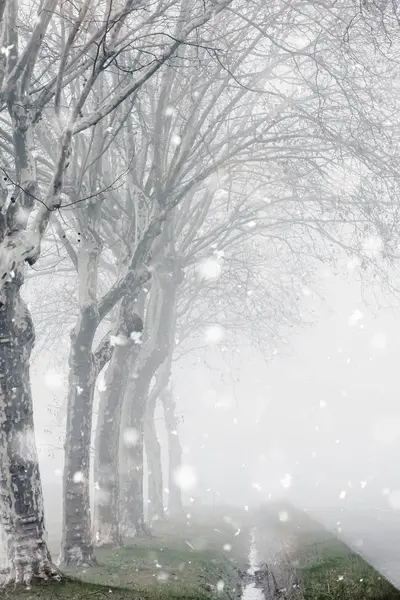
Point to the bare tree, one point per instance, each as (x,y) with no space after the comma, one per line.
(231,136)
(54,78)
(271,100)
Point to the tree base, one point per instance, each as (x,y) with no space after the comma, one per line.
(78,557)
(110,544)
(140,530)
(30,573)
(143,531)
(108,536)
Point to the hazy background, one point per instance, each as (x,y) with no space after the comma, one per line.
(319,425)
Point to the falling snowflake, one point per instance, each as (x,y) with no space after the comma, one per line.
(227,547)
(136,337)
(214,334)
(342,495)
(79,390)
(286,481)
(323,404)
(162,577)
(220,586)
(23,214)
(185,477)
(372,246)
(176,140)
(78,477)
(102,385)
(355,317)
(6,49)
(209,268)
(53,379)
(283,516)
(130,437)
(119,340)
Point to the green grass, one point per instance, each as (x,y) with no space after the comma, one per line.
(327,569)
(183,560)
(330,570)
(66,590)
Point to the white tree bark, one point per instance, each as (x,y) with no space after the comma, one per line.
(107,522)
(159,319)
(154,465)
(20,485)
(175,507)
(77,546)
(131,461)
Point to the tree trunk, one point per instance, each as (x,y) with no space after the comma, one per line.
(77,546)
(22,512)
(153,453)
(159,319)
(108,426)
(132,509)
(106,472)
(175,507)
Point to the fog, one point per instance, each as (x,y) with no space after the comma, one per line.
(318,425)
(199,287)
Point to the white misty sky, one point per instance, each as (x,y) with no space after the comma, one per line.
(327,412)
(339,375)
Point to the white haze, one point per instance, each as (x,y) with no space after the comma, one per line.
(319,425)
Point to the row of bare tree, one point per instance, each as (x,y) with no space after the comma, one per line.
(166,165)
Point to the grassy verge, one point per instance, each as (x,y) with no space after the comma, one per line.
(326,568)
(183,560)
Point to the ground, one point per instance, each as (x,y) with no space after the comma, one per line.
(188,559)
(184,560)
